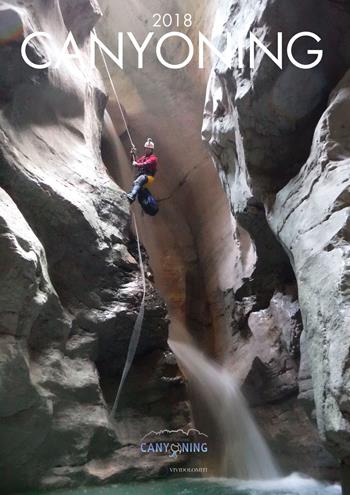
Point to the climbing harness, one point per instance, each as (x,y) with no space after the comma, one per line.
(150,180)
(136,332)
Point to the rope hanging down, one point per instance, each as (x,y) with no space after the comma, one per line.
(136,332)
(135,336)
(115,92)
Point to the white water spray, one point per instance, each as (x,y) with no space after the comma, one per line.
(245,454)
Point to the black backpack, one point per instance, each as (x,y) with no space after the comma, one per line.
(147,201)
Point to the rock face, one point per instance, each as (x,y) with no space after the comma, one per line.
(253,276)
(70,285)
(310,216)
(282,153)
(226,278)
(191,268)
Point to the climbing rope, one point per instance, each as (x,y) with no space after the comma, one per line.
(178,186)
(136,332)
(135,336)
(181,183)
(115,93)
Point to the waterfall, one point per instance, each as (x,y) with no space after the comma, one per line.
(244,453)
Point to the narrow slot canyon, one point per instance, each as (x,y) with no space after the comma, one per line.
(244,347)
(229,287)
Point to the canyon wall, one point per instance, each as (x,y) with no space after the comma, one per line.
(167,105)
(279,140)
(228,282)
(250,255)
(70,285)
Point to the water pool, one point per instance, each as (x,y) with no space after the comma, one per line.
(291,485)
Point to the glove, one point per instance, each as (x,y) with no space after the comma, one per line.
(134,163)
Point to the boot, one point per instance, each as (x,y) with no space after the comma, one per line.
(130,197)
(133,193)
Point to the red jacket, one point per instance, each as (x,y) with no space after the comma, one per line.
(147,164)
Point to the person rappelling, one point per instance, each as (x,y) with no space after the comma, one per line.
(146,168)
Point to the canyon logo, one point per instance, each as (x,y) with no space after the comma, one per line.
(233,54)
(174,442)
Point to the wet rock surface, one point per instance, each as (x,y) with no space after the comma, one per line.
(279,141)
(263,287)
(227,278)
(70,284)
(310,216)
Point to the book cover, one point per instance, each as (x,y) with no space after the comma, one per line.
(174,247)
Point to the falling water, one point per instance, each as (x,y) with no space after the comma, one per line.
(244,453)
